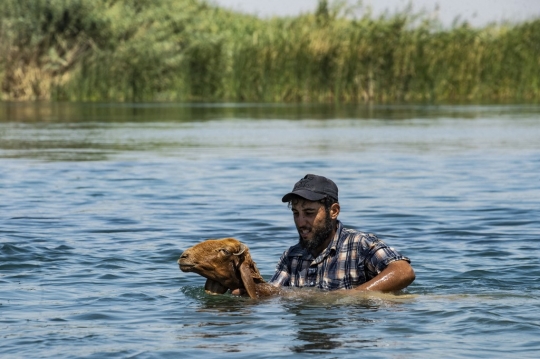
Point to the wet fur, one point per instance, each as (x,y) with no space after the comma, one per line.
(227,265)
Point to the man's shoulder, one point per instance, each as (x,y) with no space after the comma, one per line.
(355,233)
(349,235)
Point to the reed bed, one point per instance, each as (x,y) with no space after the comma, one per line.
(190,50)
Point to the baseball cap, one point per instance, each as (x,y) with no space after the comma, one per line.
(313,188)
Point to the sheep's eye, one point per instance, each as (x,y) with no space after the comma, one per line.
(226,252)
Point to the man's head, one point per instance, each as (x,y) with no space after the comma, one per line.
(315,207)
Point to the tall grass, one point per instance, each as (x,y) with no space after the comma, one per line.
(189,50)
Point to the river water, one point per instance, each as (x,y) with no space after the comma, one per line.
(99,200)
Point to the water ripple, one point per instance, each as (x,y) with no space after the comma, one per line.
(94,216)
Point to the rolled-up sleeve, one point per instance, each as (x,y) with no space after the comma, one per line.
(378,255)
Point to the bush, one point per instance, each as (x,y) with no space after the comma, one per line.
(188,50)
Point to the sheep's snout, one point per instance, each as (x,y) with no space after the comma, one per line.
(185,263)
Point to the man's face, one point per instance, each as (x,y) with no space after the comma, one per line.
(313,223)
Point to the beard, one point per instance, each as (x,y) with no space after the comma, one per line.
(319,235)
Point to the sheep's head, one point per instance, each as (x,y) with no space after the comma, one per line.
(225,263)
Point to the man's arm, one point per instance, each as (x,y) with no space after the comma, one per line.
(397,275)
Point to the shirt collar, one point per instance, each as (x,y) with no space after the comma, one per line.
(332,247)
(334,244)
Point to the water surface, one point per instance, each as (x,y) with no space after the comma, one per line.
(99,200)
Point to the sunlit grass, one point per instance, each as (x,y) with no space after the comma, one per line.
(188,50)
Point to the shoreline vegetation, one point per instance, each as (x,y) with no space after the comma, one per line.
(191,50)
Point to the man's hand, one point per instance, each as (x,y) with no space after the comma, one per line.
(239,292)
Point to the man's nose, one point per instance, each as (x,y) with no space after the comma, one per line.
(300,220)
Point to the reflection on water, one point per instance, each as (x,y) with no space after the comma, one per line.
(319,329)
(97,132)
(169,112)
(312,321)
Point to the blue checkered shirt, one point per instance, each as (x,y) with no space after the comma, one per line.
(351,259)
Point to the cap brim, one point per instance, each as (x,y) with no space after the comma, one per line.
(309,195)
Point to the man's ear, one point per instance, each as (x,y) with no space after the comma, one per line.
(334,210)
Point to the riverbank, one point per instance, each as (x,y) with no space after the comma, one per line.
(189,50)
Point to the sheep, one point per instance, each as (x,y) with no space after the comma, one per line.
(226,264)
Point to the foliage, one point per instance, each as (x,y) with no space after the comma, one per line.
(190,50)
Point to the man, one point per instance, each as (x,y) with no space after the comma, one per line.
(329,256)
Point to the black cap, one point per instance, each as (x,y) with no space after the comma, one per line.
(313,188)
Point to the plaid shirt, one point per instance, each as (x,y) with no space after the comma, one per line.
(351,259)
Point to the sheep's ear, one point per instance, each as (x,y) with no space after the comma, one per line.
(247,279)
(213,287)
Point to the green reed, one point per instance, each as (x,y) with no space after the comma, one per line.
(189,50)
